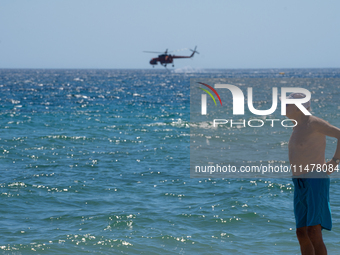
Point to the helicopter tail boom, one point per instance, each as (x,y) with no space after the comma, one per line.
(193,53)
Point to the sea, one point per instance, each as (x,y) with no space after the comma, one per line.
(98,162)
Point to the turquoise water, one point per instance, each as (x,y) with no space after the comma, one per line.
(97,162)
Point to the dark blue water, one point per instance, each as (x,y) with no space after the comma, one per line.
(97,162)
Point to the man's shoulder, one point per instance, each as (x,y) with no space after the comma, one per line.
(316,120)
(324,127)
(317,123)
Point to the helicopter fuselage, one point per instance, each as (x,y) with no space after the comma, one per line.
(162,59)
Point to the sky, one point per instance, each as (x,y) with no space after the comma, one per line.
(113,34)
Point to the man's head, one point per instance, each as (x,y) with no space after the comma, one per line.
(300,95)
(292,110)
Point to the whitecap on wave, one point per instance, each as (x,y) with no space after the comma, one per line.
(188,69)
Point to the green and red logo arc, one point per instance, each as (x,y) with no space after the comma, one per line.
(209,93)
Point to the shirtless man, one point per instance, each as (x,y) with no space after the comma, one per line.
(306,147)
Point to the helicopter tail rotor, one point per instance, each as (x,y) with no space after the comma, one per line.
(195,51)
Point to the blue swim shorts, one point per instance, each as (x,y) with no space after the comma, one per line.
(311,201)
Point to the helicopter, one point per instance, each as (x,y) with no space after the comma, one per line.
(166,58)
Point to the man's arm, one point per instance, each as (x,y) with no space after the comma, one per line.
(327,129)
